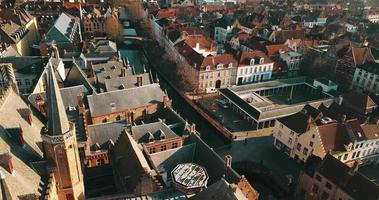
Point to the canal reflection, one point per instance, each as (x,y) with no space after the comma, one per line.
(134,53)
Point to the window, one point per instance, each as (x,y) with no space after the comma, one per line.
(279,133)
(230,65)
(152,150)
(292,132)
(18,82)
(208,68)
(339,157)
(118,118)
(298,147)
(219,66)
(315,188)
(311,143)
(27,82)
(328,185)
(305,151)
(324,196)
(345,156)
(163,148)
(360,153)
(353,156)
(289,140)
(174,145)
(313,135)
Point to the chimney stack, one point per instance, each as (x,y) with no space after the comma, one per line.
(228,161)
(21,136)
(139,81)
(233,187)
(30,116)
(123,72)
(6,161)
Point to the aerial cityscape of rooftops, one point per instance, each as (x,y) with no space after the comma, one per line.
(189,99)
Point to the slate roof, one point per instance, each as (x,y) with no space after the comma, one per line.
(359,100)
(194,150)
(142,133)
(62,26)
(104,132)
(130,163)
(355,184)
(371,67)
(219,190)
(24,180)
(298,122)
(26,64)
(119,100)
(69,96)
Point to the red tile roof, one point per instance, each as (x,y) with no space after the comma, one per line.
(244,58)
(276,48)
(213,61)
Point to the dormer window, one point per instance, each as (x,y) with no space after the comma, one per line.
(252,60)
(208,68)
(261,61)
(219,66)
(230,65)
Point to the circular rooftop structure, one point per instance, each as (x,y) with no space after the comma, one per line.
(189,178)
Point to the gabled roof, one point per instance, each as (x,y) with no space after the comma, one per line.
(220,190)
(359,100)
(275,49)
(334,136)
(120,100)
(141,133)
(246,56)
(353,183)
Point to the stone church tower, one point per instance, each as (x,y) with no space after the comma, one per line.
(60,145)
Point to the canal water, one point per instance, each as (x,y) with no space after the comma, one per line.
(134,53)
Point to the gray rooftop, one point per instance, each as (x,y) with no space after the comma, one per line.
(120,100)
(105,132)
(142,133)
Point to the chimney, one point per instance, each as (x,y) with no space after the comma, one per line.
(123,72)
(233,187)
(80,100)
(21,136)
(139,81)
(30,116)
(6,161)
(197,46)
(227,162)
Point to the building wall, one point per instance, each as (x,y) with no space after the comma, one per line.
(254,73)
(366,81)
(94,24)
(163,145)
(208,79)
(97,158)
(139,113)
(285,139)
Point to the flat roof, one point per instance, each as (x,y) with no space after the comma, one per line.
(270,107)
(190,175)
